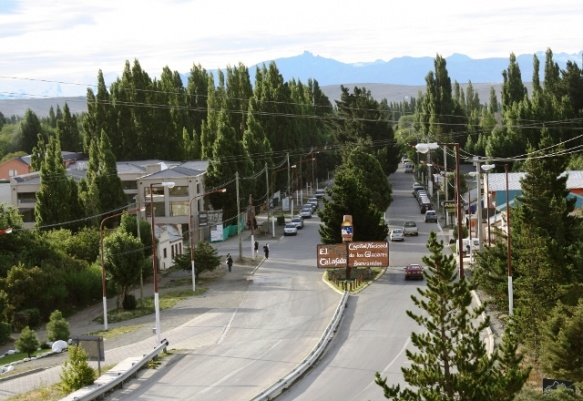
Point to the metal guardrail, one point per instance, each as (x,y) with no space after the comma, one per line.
(282,384)
(115,377)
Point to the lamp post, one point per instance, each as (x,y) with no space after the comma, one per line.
(169,184)
(487,168)
(425,148)
(7,230)
(103,284)
(192,228)
(508,252)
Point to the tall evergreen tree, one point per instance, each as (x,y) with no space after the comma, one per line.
(53,198)
(30,128)
(451,361)
(68,131)
(110,190)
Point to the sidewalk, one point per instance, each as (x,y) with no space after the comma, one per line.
(224,290)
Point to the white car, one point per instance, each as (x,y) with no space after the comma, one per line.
(306,212)
(290,229)
(298,221)
(397,235)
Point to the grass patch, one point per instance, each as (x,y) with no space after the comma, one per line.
(118,331)
(167,300)
(8,359)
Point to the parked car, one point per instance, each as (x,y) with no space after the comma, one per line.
(408,167)
(425,204)
(290,229)
(414,271)
(320,192)
(298,221)
(306,212)
(314,201)
(397,234)
(410,228)
(310,205)
(431,216)
(417,187)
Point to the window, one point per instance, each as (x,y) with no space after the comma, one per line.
(12,172)
(178,191)
(179,208)
(26,197)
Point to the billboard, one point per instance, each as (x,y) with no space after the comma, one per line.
(353,254)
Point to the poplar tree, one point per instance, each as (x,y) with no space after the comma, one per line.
(451,361)
(53,199)
(30,128)
(110,190)
(68,131)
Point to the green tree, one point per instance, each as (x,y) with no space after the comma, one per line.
(27,342)
(53,200)
(124,259)
(30,128)
(563,342)
(206,258)
(111,195)
(76,371)
(68,131)
(57,327)
(349,196)
(451,361)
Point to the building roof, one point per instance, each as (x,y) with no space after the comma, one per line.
(497,181)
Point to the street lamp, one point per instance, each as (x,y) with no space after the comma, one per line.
(487,168)
(426,147)
(169,184)
(191,224)
(103,284)
(508,248)
(6,231)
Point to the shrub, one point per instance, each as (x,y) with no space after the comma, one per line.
(129,302)
(57,327)
(28,341)
(76,372)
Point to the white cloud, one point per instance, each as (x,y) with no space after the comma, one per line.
(71,40)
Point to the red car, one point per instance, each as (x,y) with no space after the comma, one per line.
(414,271)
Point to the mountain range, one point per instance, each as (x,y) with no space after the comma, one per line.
(393,80)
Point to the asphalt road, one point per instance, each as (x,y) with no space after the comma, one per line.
(279,320)
(375,330)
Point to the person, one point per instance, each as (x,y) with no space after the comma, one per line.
(256,248)
(229,261)
(266,250)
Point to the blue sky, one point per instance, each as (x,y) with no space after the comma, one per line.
(69,41)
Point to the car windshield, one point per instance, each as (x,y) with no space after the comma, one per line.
(410,224)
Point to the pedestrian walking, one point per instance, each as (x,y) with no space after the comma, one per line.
(256,248)
(229,261)
(266,251)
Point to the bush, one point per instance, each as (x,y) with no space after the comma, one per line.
(5,332)
(28,341)
(129,302)
(57,327)
(76,372)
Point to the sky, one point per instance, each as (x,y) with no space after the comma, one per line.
(69,41)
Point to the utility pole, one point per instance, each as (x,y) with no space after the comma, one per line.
(238,216)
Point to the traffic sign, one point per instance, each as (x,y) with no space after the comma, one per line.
(449,204)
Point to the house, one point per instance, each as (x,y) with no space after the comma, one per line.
(13,167)
(170,242)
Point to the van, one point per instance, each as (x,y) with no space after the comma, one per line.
(408,167)
(425,204)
